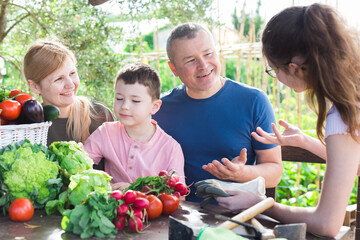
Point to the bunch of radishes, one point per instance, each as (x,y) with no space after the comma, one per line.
(165,182)
(131,210)
(173,181)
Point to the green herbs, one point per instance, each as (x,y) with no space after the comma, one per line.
(93,217)
(81,185)
(152,184)
(164,182)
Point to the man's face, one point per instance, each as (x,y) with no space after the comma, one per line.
(197,65)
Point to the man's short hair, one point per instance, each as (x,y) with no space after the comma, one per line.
(183,31)
(143,74)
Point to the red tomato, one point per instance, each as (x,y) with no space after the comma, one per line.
(21,209)
(23,98)
(10,109)
(170,203)
(155,207)
(14,92)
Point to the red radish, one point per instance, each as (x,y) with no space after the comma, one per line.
(176,177)
(141,203)
(147,189)
(184,192)
(138,213)
(122,209)
(179,187)
(130,197)
(171,183)
(135,224)
(140,194)
(119,222)
(163,173)
(176,194)
(118,195)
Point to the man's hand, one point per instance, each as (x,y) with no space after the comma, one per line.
(238,200)
(230,170)
(291,136)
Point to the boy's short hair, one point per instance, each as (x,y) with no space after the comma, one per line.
(143,74)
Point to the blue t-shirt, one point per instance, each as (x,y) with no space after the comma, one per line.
(216,127)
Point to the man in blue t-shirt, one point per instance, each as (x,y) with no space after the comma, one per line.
(212,117)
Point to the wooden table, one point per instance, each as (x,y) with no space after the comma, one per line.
(189,213)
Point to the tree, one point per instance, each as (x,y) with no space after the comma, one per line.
(85,30)
(82,28)
(246,19)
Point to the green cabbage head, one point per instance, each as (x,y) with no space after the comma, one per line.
(28,171)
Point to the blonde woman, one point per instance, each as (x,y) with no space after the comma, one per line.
(50,71)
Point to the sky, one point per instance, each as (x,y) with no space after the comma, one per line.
(349,9)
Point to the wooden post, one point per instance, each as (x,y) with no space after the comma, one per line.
(238,67)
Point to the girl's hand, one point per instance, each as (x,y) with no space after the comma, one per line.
(238,200)
(291,136)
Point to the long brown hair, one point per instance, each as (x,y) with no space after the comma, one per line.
(41,59)
(331,49)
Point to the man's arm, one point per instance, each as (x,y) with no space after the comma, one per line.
(269,166)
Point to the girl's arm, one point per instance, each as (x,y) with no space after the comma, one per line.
(291,136)
(328,216)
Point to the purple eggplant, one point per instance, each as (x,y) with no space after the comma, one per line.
(31,112)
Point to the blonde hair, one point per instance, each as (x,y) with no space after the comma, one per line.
(332,55)
(41,59)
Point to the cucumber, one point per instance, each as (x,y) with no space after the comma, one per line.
(51,112)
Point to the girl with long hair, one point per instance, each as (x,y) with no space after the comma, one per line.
(311,49)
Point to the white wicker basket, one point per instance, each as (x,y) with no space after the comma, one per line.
(34,132)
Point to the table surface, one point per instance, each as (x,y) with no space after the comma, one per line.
(188,213)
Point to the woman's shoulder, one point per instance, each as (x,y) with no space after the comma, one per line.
(101,109)
(99,106)
(334,123)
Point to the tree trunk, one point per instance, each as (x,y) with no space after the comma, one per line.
(3,5)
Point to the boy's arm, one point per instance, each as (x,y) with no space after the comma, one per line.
(176,162)
(92,146)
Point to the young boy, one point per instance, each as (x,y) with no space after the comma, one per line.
(135,146)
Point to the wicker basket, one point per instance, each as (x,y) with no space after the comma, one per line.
(34,132)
